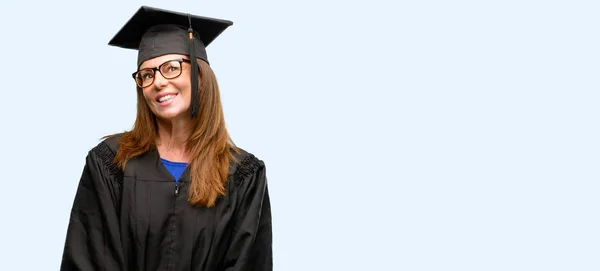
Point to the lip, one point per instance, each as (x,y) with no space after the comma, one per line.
(163,95)
(165,103)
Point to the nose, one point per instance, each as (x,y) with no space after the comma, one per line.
(159,80)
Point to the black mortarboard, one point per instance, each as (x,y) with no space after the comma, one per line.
(155,32)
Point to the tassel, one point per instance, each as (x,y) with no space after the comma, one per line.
(195,103)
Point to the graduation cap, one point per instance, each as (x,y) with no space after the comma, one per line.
(155,32)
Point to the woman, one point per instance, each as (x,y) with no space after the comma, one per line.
(173,193)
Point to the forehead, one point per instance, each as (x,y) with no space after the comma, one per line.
(155,62)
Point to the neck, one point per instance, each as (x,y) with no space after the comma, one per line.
(172,136)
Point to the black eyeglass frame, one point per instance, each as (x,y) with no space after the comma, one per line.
(180,60)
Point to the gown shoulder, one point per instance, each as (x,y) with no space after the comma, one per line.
(104,153)
(244,166)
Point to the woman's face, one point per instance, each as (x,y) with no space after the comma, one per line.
(168,98)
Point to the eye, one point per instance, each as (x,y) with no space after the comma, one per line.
(146,74)
(171,67)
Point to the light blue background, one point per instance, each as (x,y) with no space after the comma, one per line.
(398,135)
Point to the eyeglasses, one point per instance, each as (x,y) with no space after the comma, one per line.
(169,70)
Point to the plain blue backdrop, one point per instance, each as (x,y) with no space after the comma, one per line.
(398,135)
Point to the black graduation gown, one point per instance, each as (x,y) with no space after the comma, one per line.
(135,220)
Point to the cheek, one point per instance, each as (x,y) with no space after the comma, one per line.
(147,95)
(184,88)
(184,85)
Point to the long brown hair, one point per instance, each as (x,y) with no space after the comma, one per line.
(209,143)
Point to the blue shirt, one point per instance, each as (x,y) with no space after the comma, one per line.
(175,168)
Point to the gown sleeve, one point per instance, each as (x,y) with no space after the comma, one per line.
(251,245)
(92,238)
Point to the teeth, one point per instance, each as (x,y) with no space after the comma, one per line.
(166,98)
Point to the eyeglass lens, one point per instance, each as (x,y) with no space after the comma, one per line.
(169,70)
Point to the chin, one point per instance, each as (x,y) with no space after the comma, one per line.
(171,115)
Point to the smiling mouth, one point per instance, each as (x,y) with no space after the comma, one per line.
(166,98)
